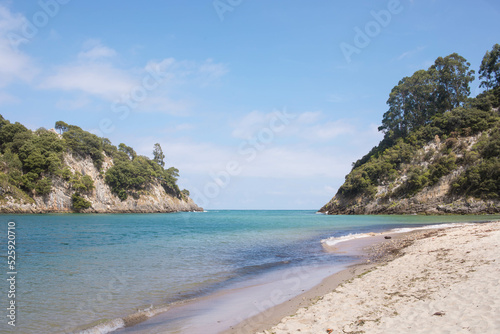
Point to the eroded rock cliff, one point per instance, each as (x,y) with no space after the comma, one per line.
(153,198)
(394,196)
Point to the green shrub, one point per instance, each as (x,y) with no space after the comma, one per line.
(441,167)
(66,173)
(43,186)
(481,181)
(85,143)
(79,203)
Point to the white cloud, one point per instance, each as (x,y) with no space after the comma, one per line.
(182,71)
(166,105)
(294,162)
(316,167)
(198,158)
(151,88)
(14,64)
(251,123)
(327,130)
(99,79)
(211,71)
(308,126)
(10,21)
(309,117)
(271,160)
(73,104)
(95,50)
(7,98)
(91,74)
(183,127)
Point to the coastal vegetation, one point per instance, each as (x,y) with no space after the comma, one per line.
(433,106)
(31,162)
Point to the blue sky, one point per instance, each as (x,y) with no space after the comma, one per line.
(260,104)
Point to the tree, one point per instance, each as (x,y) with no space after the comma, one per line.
(108,148)
(61,126)
(9,131)
(43,186)
(416,99)
(28,180)
(84,143)
(410,105)
(35,162)
(3,121)
(127,150)
(79,203)
(393,122)
(53,163)
(490,68)
(158,155)
(452,76)
(169,181)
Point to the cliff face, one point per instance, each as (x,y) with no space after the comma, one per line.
(435,199)
(151,199)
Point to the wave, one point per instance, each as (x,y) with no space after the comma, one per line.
(427,227)
(104,327)
(108,326)
(336,240)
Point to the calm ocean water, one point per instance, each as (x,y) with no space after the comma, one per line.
(76,270)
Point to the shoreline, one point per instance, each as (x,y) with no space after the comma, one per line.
(368,249)
(279,307)
(349,301)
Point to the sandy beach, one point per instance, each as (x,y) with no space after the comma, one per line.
(445,281)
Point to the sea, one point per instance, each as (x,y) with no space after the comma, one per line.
(185,272)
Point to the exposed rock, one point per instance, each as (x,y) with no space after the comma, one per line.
(153,198)
(430,206)
(432,200)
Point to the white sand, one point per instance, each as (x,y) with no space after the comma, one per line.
(449,283)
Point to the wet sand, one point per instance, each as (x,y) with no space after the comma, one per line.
(257,303)
(436,281)
(372,251)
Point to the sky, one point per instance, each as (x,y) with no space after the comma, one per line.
(260,104)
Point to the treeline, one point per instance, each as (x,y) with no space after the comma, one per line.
(432,104)
(30,161)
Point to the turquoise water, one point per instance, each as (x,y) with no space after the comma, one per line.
(76,269)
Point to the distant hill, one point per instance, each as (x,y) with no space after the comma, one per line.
(441,149)
(67,169)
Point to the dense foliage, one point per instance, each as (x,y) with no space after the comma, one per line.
(29,158)
(434,105)
(416,99)
(31,161)
(132,172)
(79,203)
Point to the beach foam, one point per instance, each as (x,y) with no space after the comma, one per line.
(330,242)
(426,227)
(109,326)
(334,241)
(105,327)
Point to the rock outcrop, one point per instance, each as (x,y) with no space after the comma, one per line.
(432,200)
(153,198)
